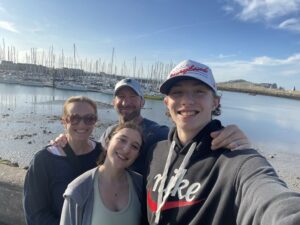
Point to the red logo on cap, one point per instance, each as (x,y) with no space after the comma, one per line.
(190,68)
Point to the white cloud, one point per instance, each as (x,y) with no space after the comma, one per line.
(230,70)
(264,60)
(8,26)
(279,14)
(254,10)
(294,59)
(263,69)
(228,8)
(222,56)
(292,24)
(267,61)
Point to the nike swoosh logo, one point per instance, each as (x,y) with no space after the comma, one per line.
(171,204)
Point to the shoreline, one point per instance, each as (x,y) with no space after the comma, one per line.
(54,80)
(295,95)
(241,88)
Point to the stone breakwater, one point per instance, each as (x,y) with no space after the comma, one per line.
(11,191)
(257,90)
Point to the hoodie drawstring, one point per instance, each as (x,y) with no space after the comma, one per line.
(173,181)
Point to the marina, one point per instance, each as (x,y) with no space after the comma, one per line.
(67,79)
(80,80)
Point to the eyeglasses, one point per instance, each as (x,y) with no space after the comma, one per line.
(74,119)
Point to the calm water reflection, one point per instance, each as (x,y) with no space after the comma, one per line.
(270,122)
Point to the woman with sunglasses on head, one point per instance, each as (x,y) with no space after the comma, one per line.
(53,168)
(108,194)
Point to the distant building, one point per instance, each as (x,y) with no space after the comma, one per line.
(267,85)
(7,65)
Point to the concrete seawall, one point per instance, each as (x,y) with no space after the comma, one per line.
(11,191)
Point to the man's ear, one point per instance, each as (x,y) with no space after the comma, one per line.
(142,102)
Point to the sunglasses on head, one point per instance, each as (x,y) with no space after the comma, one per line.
(74,119)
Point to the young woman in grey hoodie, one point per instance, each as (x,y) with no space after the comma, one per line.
(108,194)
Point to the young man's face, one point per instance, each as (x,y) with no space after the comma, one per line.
(128,104)
(190,104)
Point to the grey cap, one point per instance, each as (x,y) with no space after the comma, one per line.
(129,82)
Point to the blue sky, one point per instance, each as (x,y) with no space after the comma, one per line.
(256,40)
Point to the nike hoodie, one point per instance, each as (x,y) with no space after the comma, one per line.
(192,184)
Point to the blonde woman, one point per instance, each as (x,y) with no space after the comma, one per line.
(108,194)
(53,168)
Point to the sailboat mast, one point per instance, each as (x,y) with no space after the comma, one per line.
(74,56)
(134,66)
(112,61)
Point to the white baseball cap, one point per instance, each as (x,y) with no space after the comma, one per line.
(129,82)
(189,69)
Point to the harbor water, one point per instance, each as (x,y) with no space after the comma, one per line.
(30,118)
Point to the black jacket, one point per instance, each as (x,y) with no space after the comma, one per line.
(217,187)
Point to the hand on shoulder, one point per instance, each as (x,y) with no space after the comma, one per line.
(231,137)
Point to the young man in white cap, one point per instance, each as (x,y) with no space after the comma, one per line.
(128,102)
(188,183)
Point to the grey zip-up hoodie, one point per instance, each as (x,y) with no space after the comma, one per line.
(192,184)
(78,204)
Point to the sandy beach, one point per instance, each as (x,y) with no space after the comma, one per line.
(21,135)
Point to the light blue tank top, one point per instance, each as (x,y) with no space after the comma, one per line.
(130,214)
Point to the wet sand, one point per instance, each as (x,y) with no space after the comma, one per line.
(22,135)
(287,167)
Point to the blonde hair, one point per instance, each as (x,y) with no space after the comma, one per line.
(73,99)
